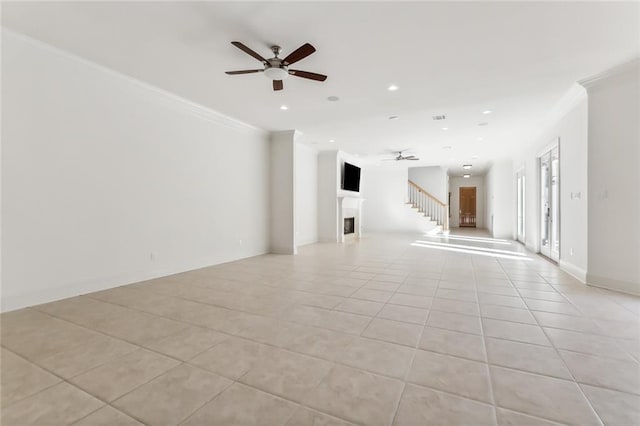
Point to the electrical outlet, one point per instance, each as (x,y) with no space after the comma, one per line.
(153,256)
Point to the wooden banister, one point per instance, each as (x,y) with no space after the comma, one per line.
(419,188)
(430,206)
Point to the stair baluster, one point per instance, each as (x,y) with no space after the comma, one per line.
(428,205)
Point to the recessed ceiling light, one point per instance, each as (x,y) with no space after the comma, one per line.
(483,124)
(487,111)
(393,117)
(333,99)
(445,128)
(481,139)
(446,147)
(466,175)
(284,107)
(466,166)
(392,88)
(331,140)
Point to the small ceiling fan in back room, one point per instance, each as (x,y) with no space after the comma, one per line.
(401,157)
(277,69)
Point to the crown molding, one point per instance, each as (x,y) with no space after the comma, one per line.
(595,80)
(567,102)
(170,100)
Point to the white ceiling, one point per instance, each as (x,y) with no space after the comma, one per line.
(457,59)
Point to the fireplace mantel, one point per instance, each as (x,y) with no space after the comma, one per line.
(349,202)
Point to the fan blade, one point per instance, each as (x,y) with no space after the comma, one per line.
(242,72)
(409,157)
(248,51)
(277,85)
(298,54)
(412,159)
(309,75)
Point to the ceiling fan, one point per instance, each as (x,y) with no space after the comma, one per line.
(277,69)
(401,157)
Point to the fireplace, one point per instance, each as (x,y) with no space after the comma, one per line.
(349,218)
(349,225)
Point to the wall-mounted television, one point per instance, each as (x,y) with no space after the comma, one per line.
(351,178)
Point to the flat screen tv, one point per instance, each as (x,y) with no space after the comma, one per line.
(351,178)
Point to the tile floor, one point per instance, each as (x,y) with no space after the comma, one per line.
(391,329)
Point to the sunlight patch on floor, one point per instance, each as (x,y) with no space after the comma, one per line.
(474,239)
(471,250)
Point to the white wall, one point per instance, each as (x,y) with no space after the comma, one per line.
(614,179)
(306,194)
(107,181)
(457,182)
(500,199)
(431,179)
(282,191)
(385,208)
(569,127)
(328,181)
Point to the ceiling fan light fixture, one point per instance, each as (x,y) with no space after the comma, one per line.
(277,69)
(276,73)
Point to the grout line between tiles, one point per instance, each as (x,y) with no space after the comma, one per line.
(567,368)
(415,348)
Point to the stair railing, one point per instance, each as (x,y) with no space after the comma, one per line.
(429,205)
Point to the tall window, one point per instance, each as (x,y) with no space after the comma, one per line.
(550,204)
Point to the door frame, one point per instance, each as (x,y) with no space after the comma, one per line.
(521,174)
(475,219)
(555,144)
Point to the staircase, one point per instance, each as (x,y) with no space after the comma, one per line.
(430,207)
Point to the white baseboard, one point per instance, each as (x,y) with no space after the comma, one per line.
(576,272)
(19,301)
(616,285)
(284,250)
(307,242)
(40,296)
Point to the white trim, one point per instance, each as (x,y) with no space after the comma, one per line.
(576,272)
(547,150)
(594,80)
(307,242)
(169,99)
(611,284)
(23,300)
(554,144)
(565,104)
(79,288)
